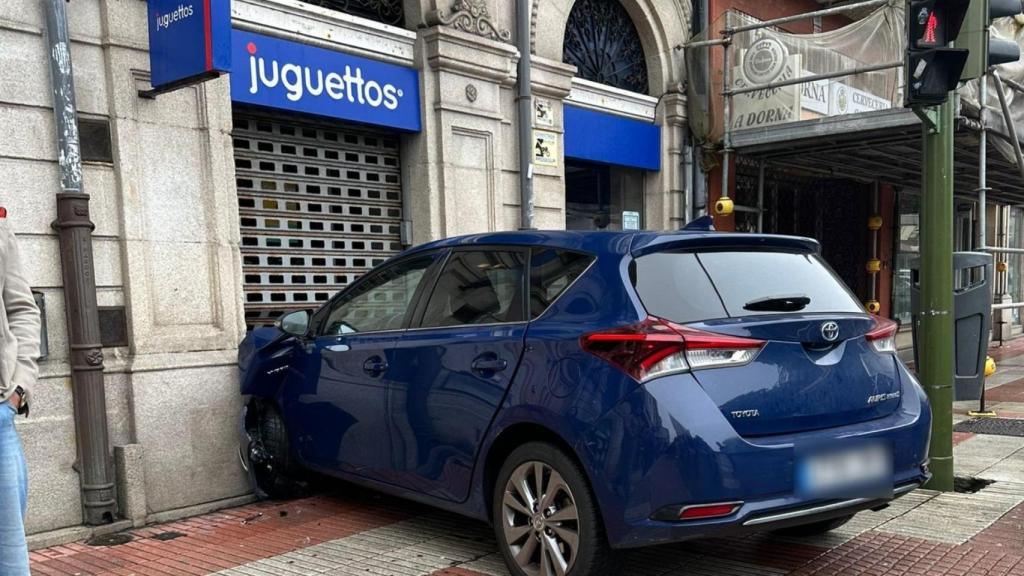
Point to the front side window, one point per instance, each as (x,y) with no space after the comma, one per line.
(478,287)
(380,302)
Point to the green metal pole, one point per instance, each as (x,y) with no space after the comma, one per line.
(936,315)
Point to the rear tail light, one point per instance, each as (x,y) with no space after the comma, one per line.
(705,511)
(883,336)
(655,347)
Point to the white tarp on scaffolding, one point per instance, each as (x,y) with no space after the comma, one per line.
(770,55)
(1010,29)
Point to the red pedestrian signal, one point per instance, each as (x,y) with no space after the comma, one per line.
(932,69)
(930,36)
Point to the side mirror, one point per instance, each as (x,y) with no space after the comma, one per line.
(294,323)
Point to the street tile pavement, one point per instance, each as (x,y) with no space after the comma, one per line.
(354,532)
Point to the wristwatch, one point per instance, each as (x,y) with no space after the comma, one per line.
(23,405)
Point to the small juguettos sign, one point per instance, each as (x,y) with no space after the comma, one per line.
(189,41)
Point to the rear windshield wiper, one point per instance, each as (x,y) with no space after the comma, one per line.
(790,303)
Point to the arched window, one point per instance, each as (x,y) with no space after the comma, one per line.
(386,11)
(602,42)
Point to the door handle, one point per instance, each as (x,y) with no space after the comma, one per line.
(375,366)
(488,364)
(338,348)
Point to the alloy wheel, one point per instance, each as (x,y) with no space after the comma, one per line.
(540,521)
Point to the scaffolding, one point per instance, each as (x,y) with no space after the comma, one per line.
(870,146)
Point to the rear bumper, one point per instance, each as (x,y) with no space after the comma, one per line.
(823,511)
(667,444)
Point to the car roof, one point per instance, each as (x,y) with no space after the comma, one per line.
(634,242)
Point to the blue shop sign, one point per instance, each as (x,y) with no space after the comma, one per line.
(291,76)
(610,139)
(189,41)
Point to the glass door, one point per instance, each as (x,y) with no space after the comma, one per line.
(603,197)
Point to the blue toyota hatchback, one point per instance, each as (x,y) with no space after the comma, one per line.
(587,392)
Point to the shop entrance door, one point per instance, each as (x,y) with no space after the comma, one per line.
(603,197)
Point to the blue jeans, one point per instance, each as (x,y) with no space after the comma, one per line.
(13,498)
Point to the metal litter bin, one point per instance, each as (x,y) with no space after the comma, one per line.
(972,313)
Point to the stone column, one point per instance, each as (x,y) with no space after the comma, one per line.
(551,83)
(455,165)
(664,190)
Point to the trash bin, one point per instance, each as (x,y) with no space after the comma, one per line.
(972,313)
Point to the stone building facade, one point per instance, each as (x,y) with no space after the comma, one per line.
(213,215)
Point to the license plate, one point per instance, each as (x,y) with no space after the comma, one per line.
(864,470)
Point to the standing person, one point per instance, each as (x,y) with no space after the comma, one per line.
(19,351)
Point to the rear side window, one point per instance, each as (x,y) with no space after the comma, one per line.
(551,272)
(690,287)
(478,287)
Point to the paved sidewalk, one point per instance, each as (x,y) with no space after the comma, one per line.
(356,532)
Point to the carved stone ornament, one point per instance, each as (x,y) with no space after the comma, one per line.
(472,16)
(471,92)
(94,357)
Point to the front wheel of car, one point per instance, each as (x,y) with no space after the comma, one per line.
(274,472)
(545,518)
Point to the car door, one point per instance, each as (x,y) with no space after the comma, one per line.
(340,409)
(452,367)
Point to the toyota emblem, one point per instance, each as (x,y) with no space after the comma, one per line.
(830,331)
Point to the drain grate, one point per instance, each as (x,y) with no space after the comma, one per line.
(165,536)
(970,485)
(109,539)
(998,426)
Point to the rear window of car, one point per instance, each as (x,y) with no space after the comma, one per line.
(695,286)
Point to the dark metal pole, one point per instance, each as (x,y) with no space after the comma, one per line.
(75,230)
(525,101)
(935,318)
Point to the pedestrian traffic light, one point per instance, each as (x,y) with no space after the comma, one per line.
(985,51)
(932,69)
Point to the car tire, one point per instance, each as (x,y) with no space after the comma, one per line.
(531,544)
(274,471)
(815,528)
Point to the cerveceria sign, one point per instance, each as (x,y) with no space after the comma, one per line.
(189,41)
(766,61)
(287,75)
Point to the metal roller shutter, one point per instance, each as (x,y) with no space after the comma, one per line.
(320,205)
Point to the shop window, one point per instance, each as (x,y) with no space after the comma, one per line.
(1015,262)
(604,45)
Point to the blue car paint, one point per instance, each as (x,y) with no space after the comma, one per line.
(665,442)
(440,410)
(829,389)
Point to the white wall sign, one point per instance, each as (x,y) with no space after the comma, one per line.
(847,100)
(630,220)
(766,61)
(814,96)
(543,113)
(545,148)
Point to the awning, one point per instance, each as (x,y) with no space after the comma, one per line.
(882,146)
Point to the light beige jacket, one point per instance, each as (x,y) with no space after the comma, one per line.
(19,319)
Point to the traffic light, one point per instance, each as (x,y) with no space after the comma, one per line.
(932,68)
(986,51)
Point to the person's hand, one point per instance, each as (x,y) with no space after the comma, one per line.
(15,401)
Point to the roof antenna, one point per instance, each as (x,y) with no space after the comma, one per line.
(703,224)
